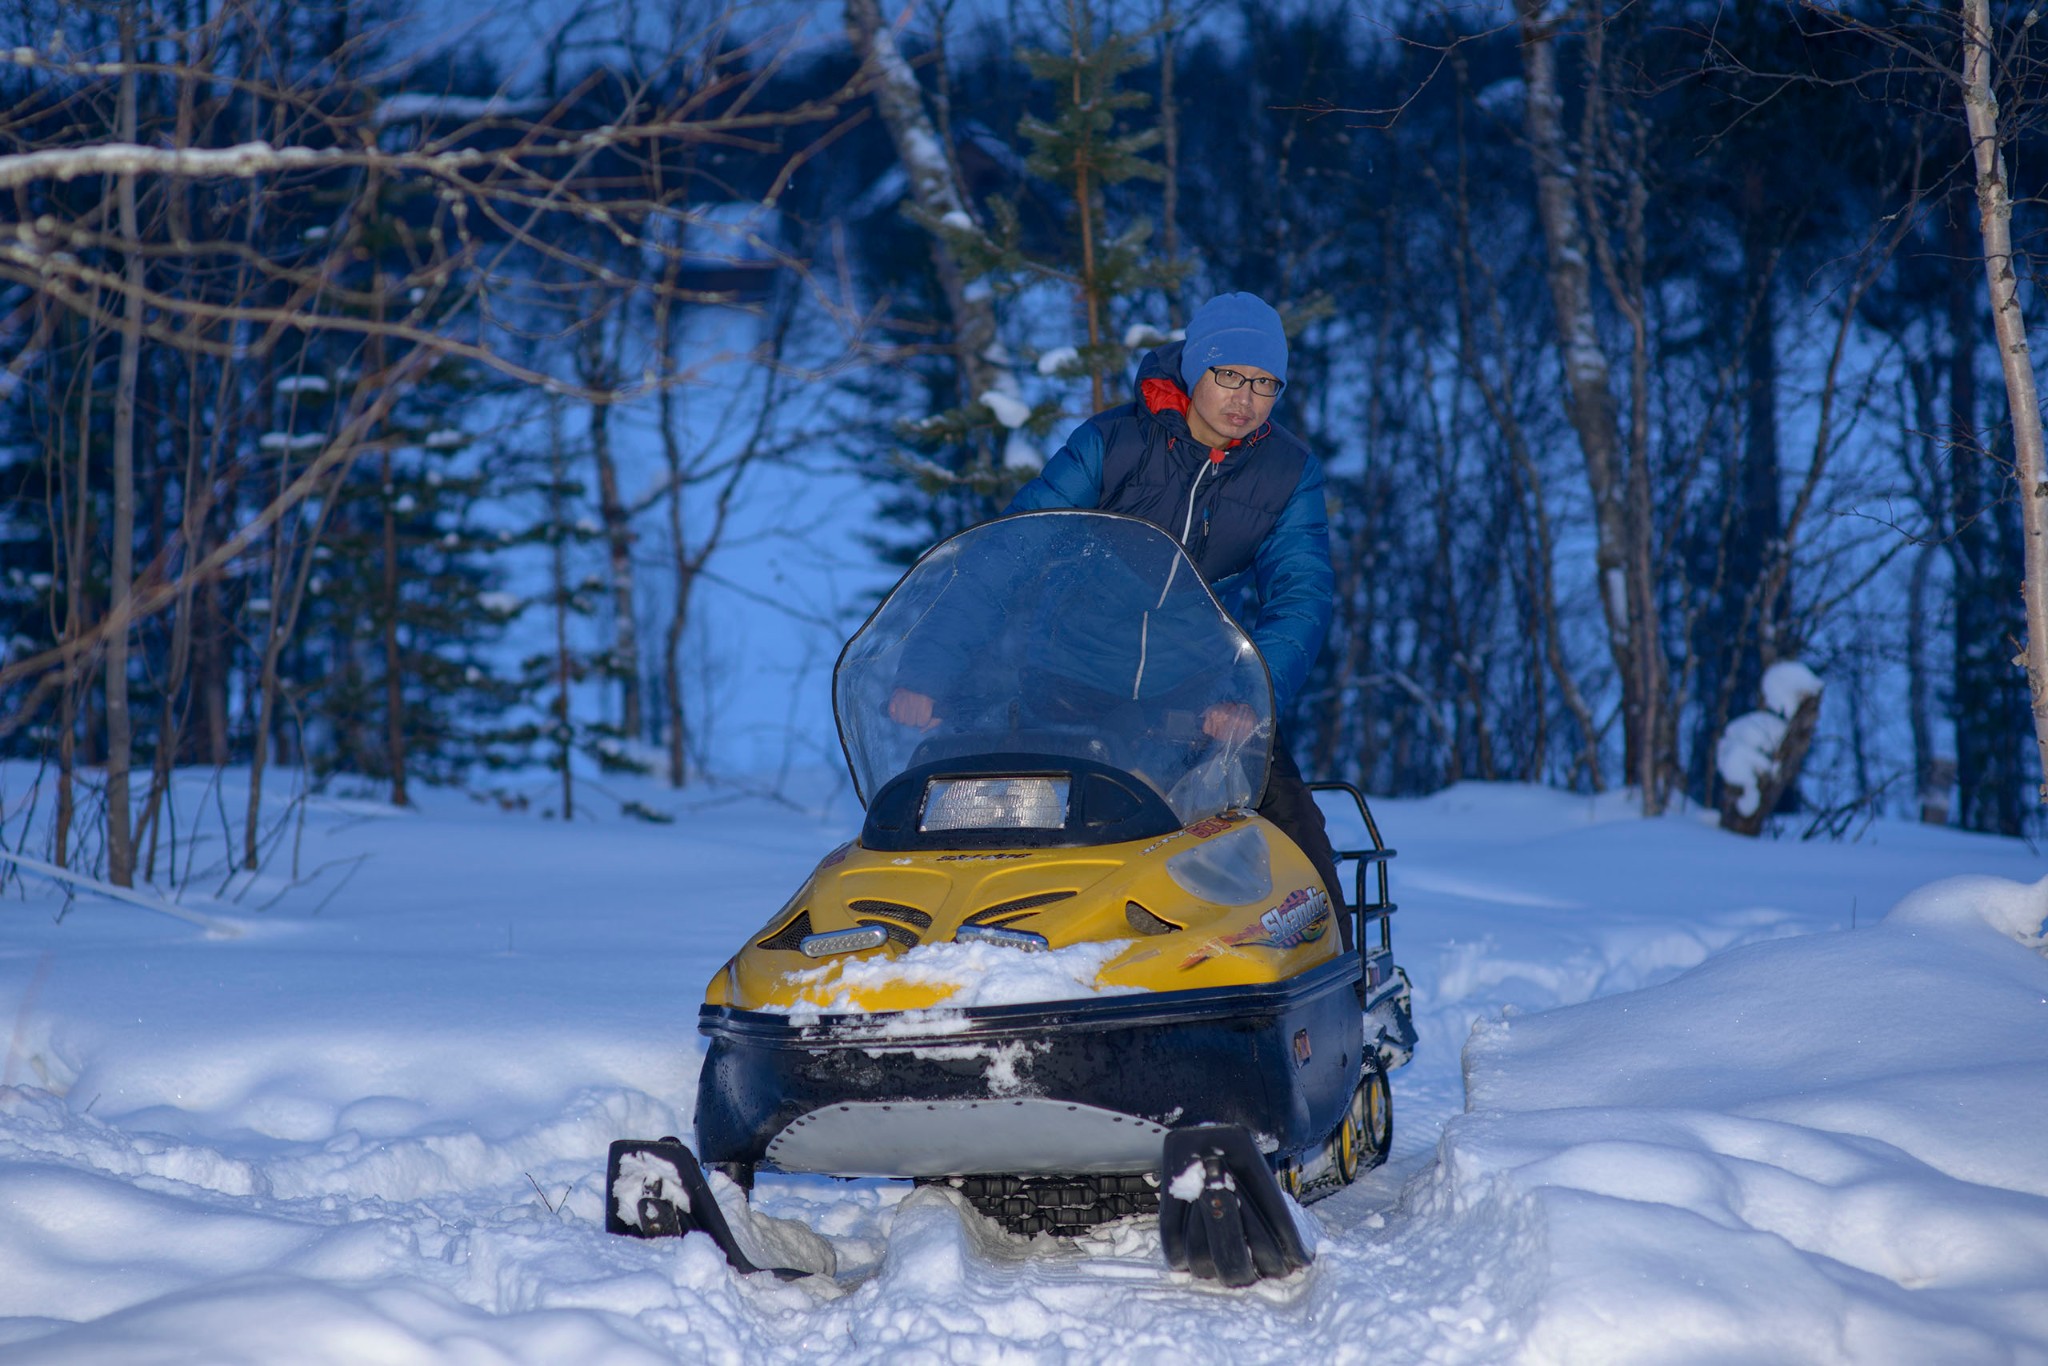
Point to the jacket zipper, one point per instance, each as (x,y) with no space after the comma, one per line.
(1187,525)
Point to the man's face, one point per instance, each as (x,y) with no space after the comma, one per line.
(1230,414)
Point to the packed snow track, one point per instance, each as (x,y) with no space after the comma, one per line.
(1721,1106)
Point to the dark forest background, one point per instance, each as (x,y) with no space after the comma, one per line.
(460,348)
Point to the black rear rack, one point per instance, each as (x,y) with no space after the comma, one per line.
(1375,953)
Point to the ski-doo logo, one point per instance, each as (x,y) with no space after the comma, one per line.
(1300,919)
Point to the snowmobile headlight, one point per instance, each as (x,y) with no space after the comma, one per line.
(843,941)
(995,804)
(1229,869)
(996,934)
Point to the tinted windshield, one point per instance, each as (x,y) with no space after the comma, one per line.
(1078,634)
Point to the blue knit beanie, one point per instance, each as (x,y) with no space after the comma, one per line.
(1233,329)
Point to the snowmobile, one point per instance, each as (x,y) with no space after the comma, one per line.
(1065,969)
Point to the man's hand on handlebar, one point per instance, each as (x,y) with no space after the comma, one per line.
(907,708)
(1230,722)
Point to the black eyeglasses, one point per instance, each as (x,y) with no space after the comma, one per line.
(1265,386)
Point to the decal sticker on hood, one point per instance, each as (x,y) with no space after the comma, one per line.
(1302,917)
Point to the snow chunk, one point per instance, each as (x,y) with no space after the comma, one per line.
(410,105)
(302,384)
(1010,410)
(290,441)
(767,1240)
(1188,1185)
(1058,360)
(504,604)
(2018,910)
(643,1173)
(1615,585)
(1787,684)
(963,974)
(957,221)
(1503,98)
(1020,454)
(1139,335)
(444,439)
(1747,754)
(1747,751)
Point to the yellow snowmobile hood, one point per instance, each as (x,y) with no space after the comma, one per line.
(1226,901)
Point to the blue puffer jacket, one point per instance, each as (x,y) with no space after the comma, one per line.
(1258,524)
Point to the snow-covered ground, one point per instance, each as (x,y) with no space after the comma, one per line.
(1679,1097)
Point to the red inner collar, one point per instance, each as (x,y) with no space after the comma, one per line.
(1164,396)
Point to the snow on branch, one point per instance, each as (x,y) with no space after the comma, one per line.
(213,925)
(249,159)
(127,158)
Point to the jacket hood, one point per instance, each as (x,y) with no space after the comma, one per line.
(1161,363)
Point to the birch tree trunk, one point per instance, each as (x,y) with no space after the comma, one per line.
(121,564)
(74,507)
(1994,208)
(600,369)
(935,191)
(394,660)
(1525,483)
(1589,398)
(1169,23)
(558,572)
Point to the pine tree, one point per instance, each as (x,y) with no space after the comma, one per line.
(573,611)
(406,604)
(1088,149)
(405,601)
(1088,146)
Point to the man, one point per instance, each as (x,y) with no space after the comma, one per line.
(1196,453)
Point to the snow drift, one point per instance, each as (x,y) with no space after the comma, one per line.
(1719,1110)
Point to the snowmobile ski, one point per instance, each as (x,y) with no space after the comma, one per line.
(654,1188)
(1222,1216)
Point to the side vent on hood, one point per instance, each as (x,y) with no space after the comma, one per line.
(792,933)
(1003,912)
(895,912)
(1144,922)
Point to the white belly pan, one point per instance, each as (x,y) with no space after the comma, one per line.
(1018,1137)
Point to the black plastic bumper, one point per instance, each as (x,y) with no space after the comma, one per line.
(1280,1060)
